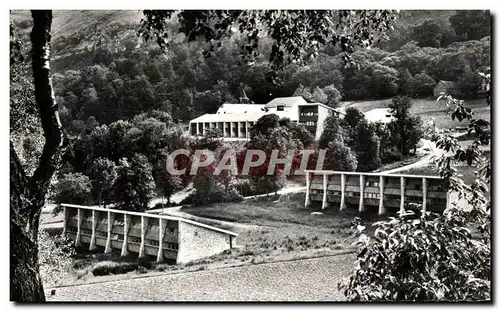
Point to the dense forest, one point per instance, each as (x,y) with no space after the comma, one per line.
(107,72)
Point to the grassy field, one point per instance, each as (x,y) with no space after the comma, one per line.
(428,109)
(273,226)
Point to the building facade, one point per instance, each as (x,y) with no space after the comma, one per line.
(313,116)
(235,121)
(386,192)
(163,237)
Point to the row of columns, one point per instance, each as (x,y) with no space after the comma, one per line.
(126,227)
(232,134)
(381,209)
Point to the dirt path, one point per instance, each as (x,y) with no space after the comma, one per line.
(300,280)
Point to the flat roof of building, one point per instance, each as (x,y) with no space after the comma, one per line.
(239,108)
(189,221)
(327,172)
(229,117)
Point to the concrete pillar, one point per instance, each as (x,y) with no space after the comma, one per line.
(308,182)
(144,223)
(231,134)
(78,227)
(110,227)
(94,224)
(381,209)
(126,226)
(65,219)
(424,191)
(361,193)
(197,129)
(246,131)
(342,192)
(402,206)
(325,186)
(161,233)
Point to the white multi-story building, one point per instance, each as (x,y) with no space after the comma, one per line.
(236,120)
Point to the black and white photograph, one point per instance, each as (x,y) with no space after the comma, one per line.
(250,155)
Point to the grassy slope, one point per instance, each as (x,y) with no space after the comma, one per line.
(276,222)
(67,22)
(428,109)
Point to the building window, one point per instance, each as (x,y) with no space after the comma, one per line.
(153,242)
(371,195)
(371,184)
(280,108)
(173,246)
(134,239)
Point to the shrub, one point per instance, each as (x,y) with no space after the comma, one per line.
(145,262)
(390,155)
(267,184)
(217,194)
(111,267)
(73,189)
(246,188)
(55,257)
(431,257)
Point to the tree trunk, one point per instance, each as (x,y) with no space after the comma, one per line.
(27,197)
(25,282)
(100,198)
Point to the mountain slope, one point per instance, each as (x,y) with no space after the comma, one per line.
(68,22)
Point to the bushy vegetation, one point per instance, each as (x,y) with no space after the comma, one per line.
(428,256)
(55,255)
(425,258)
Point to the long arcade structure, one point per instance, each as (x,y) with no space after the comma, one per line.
(164,237)
(385,191)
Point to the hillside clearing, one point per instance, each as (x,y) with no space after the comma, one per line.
(428,109)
